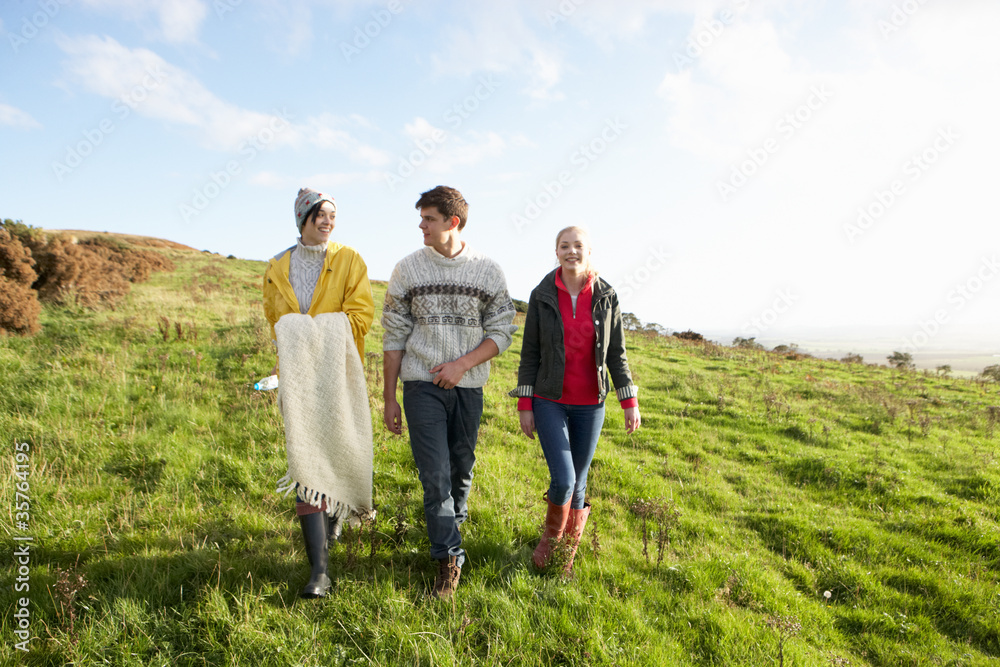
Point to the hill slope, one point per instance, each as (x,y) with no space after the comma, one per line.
(846,514)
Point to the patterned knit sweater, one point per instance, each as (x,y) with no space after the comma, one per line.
(303,271)
(439,308)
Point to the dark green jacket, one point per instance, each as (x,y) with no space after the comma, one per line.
(543,355)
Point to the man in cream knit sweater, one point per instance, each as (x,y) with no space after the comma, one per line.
(446,314)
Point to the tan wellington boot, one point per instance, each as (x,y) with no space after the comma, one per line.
(555,523)
(574,531)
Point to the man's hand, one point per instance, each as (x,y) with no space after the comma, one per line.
(449,374)
(393,417)
(632,419)
(527,423)
(391,414)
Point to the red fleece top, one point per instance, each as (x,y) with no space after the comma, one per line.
(580,383)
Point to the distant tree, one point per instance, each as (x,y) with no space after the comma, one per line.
(657,329)
(901,360)
(990,373)
(631,322)
(689,335)
(944,371)
(852,358)
(791,348)
(747,343)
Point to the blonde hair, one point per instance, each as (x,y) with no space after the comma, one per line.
(585,235)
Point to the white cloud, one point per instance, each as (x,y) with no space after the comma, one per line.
(321,181)
(152,87)
(330,131)
(177,21)
(181,19)
(888,99)
(144,82)
(610,23)
(326,180)
(269,179)
(737,88)
(546,69)
(290,25)
(14,117)
(509,177)
(450,150)
(495,39)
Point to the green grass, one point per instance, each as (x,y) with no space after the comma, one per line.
(153,464)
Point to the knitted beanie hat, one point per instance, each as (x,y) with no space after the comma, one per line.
(305,200)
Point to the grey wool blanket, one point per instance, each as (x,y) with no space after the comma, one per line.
(324,401)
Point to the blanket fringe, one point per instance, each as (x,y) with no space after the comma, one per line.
(334,508)
(289,485)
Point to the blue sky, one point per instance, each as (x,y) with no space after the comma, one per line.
(780,169)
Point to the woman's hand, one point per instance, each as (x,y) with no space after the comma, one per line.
(632,419)
(527,423)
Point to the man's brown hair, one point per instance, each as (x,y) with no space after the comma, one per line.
(449,203)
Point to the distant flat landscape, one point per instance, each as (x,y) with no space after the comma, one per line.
(966,357)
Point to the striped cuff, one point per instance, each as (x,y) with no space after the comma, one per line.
(626,392)
(522,391)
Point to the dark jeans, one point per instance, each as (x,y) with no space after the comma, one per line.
(443,426)
(568,434)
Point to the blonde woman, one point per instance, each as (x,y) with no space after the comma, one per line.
(573,342)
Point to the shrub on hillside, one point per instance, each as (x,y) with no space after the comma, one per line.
(95,271)
(134,264)
(689,335)
(77,273)
(19,306)
(54,268)
(16,262)
(20,231)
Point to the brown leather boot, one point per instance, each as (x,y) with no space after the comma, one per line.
(447,578)
(555,524)
(574,531)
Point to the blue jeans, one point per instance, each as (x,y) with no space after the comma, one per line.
(568,434)
(443,426)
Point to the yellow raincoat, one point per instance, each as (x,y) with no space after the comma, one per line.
(342,287)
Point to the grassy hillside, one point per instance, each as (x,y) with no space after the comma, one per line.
(769,509)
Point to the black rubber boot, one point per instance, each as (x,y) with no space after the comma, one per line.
(314,531)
